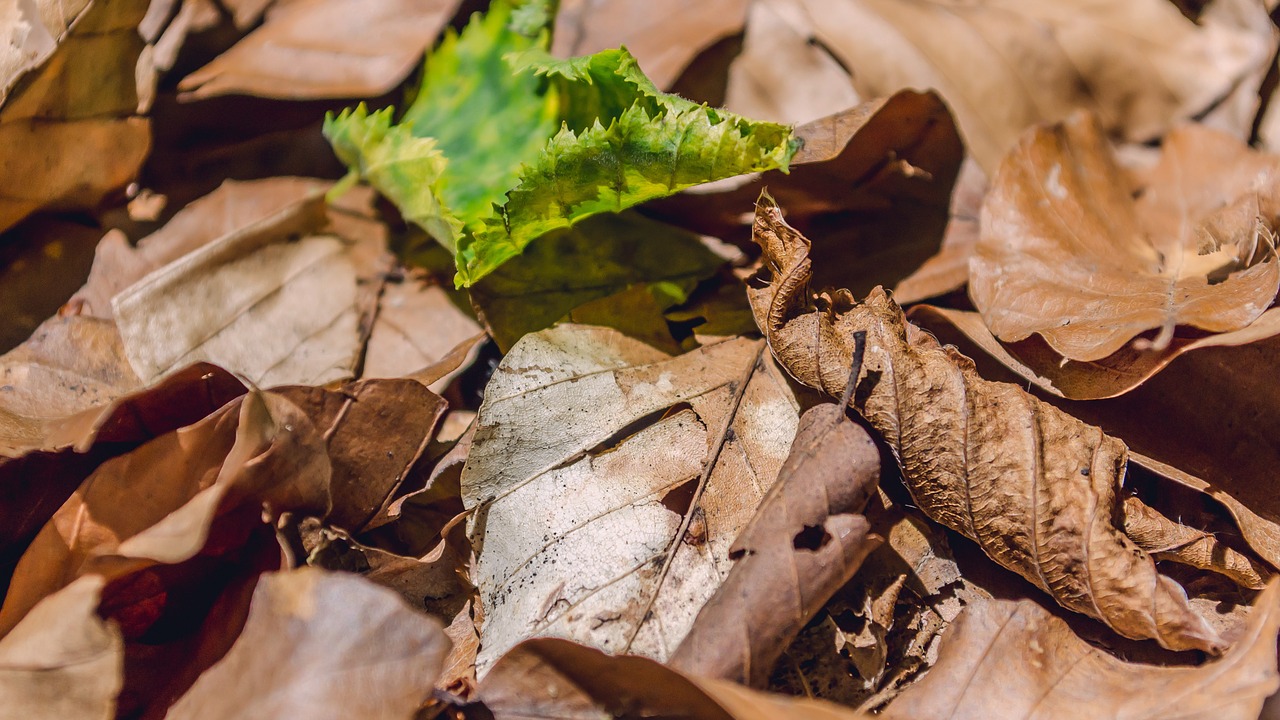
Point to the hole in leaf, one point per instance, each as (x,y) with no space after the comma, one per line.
(811,537)
(679,498)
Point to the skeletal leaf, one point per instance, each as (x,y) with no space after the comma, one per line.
(1036,488)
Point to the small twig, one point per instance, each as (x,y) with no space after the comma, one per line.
(697,493)
(859,348)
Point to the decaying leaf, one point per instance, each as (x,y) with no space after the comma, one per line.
(556,678)
(1066,252)
(664,36)
(322,644)
(1005,660)
(781,74)
(1140,65)
(309,49)
(1036,488)
(62,662)
(805,541)
(598,257)
(609,479)
(1167,539)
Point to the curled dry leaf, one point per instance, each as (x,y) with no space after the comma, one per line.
(313,49)
(664,35)
(1166,539)
(322,645)
(1004,660)
(62,662)
(609,479)
(1036,488)
(556,678)
(1140,64)
(177,529)
(1066,252)
(805,541)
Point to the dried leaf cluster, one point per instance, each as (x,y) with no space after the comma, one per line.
(739,359)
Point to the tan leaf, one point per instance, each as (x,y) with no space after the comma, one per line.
(806,539)
(64,143)
(1003,660)
(556,678)
(276,206)
(665,36)
(1140,65)
(273,309)
(62,662)
(1167,539)
(1066,252)
(781,75)
(313,49)
(1035,487)
(417,325)
(594,454)
(323,645)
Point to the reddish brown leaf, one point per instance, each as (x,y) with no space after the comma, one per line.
(1036,488)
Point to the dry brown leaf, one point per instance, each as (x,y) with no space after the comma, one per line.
(556,678)
(279,206)
(1140,64)
(882,169)
(314,49)
(1003,660)
(806,539)
(322,645)
(1167,539)
(607,477)
(781,74)
(259,303)
(417,325)
(37,482)
(177,529)
(665,36)
(43,260)
(1036,488)
(62,662)
(1065,251)
(68,130)
(375,430)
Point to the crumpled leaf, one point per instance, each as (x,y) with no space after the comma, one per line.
(600,256)
(69,127)
(588,468)
(1003,660)
(312,49)
(1167,539)
(1036,488)
(805,541)
(273,309)
(782,74)
(556,678)
(320,644)
(63,662)
(664,36)
(621,142)
(1140,65)
(1066,252)
(177,529)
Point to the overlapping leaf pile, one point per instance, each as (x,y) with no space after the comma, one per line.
(724,376)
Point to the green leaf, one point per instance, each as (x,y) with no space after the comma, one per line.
(406,169)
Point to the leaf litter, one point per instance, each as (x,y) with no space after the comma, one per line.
(621,466)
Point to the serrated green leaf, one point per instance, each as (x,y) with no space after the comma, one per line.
(406,169)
